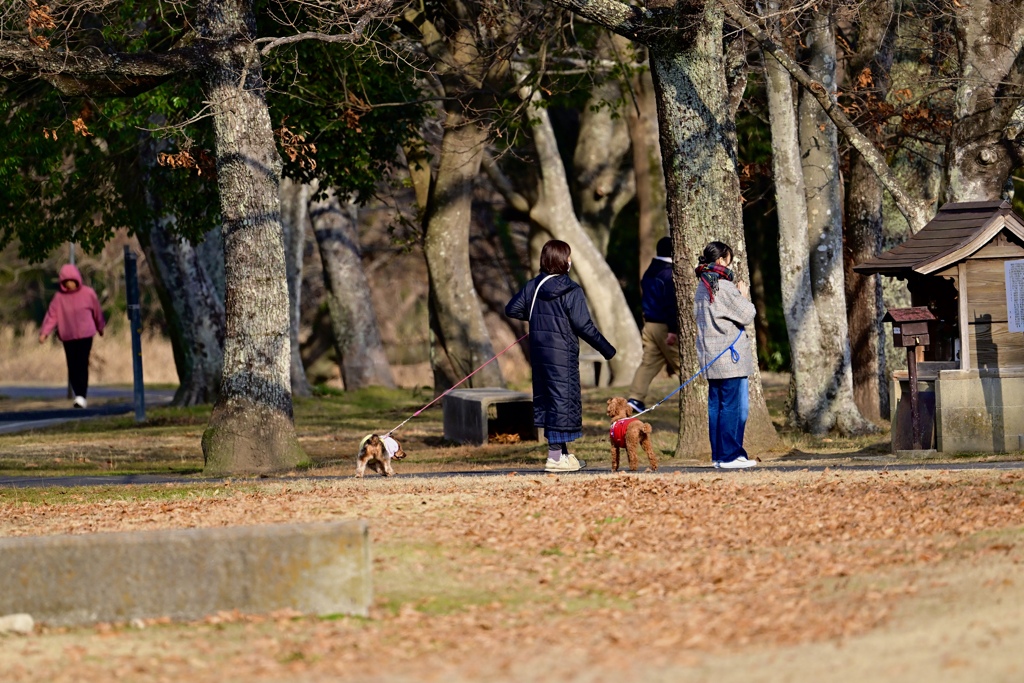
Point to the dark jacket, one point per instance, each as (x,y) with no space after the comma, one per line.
(560,318)
(659,295)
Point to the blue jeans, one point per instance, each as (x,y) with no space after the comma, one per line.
(728,405)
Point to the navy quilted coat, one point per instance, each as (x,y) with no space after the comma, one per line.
(560,319)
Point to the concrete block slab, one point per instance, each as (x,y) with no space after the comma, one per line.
(472,415)
(318,568)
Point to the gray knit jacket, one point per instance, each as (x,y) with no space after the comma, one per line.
(718,324)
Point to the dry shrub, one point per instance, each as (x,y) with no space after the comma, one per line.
(23,360)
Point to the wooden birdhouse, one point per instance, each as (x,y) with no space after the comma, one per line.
(965,268)
(910,326)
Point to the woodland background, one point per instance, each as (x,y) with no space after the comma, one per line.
(428,149)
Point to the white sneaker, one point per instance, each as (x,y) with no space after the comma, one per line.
(80,402)
(740,463)
(568,463)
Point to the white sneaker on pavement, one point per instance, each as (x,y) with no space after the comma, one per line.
(568,463)
(740,463)
(80,402)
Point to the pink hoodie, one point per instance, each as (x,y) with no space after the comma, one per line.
(77,314)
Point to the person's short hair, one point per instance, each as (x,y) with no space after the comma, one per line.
(715,251)
(665,247)
(554,257)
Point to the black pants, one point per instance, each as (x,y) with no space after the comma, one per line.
(77,353)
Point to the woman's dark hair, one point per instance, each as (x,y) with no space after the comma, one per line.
(554,257)
(664,248)
(715,251)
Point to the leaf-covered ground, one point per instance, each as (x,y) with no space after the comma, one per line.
(712,576)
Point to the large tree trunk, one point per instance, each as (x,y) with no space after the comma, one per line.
(251,428)
(819,143)
(194,313)
(698,147)
(864,292)
(553,212)
(353,320)
(647,166)
(603,186)
(864,226)
(193,307)
(802,326)
(294,216)
(460,339)
(979,155)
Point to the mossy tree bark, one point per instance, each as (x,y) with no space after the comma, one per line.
(192,306)
(294,219)
(461,342)
(603,184)
(988,117)
(862,232)
(356,331)
(801,316)
(647,166)
(698,147)
(819,148)
(251,429)
(194,313)
(703,189)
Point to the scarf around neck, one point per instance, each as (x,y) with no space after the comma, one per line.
(709,274)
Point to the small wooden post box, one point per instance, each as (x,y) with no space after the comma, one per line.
(910,330)
(910,325)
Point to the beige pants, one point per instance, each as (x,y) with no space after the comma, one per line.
(657,354)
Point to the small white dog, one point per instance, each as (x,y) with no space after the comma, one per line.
(378,452)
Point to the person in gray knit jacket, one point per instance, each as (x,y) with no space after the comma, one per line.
(723,309)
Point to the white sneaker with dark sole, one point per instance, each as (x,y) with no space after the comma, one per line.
(740,463)
(567,463)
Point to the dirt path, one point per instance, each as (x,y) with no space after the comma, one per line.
(838,576)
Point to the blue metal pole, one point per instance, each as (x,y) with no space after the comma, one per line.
(131,278)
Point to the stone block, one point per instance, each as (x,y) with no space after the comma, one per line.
(979,411)
(472,415)
(22,624)
(318,568)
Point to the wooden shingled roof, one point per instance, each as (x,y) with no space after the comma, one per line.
(956,232)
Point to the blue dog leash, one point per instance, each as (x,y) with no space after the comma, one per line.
(733,354)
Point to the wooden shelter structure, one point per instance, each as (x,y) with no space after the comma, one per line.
(967,266)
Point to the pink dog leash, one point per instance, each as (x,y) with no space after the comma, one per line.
(454,386)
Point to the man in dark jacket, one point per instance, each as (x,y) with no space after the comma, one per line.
(661,324)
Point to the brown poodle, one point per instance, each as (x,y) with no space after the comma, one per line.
(628,432)
(377,452)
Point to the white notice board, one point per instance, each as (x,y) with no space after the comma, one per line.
(1015,295)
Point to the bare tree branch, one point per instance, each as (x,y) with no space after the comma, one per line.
(631,21)
(916,212)
(516,200)
(75,73)
(372,12)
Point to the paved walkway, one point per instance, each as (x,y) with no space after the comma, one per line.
(119,480)
(24,420)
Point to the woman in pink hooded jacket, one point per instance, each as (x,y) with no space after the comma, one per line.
(76,315)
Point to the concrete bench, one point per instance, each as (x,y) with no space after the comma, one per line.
(472,415)
(593,368)
(318,568)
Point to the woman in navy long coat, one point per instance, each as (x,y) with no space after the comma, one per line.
(557,311)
